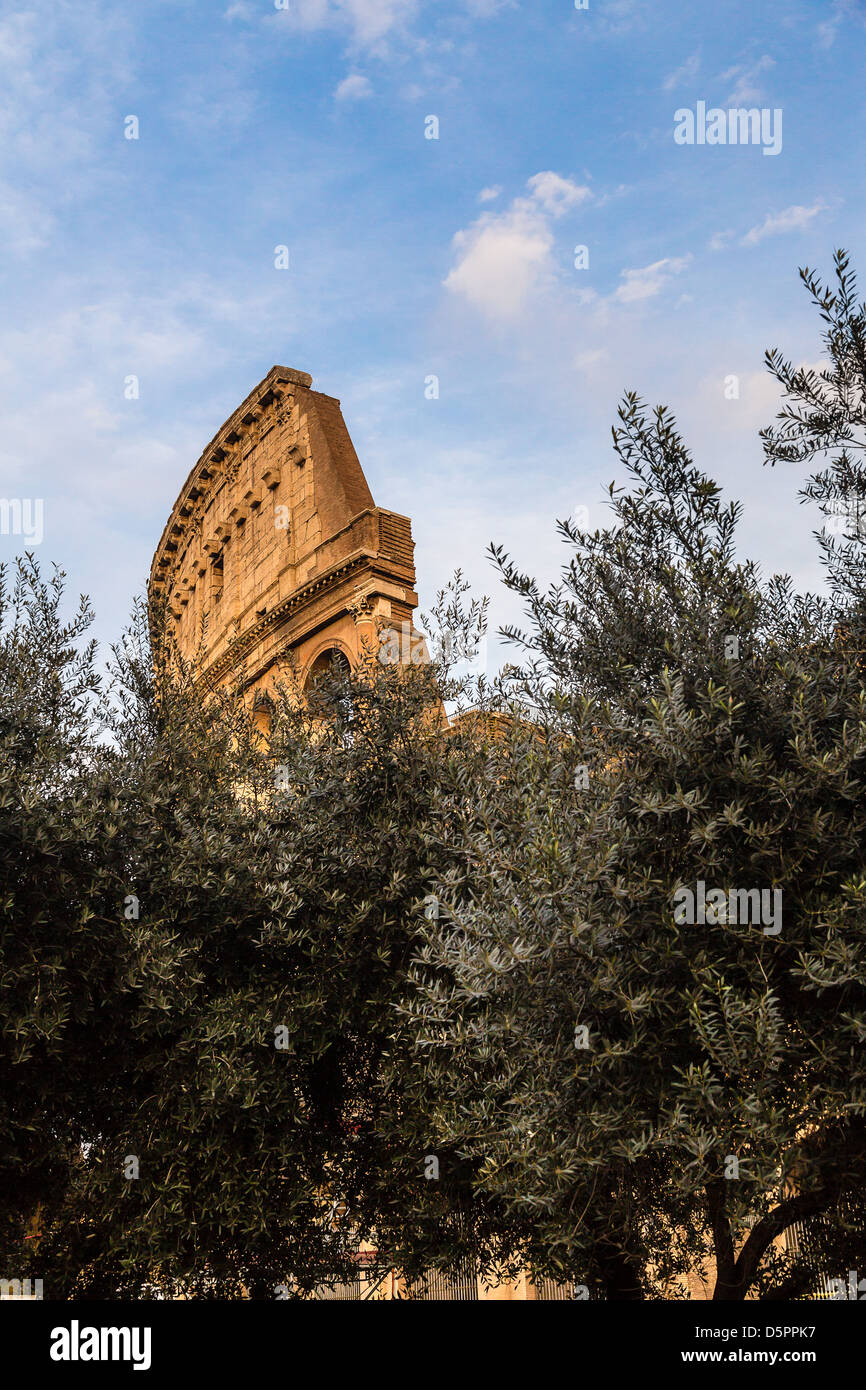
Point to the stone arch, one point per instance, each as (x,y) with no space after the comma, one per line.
(320,700)
(331,649)
(263,714)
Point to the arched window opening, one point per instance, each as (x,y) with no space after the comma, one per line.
(324,679)
(263,717)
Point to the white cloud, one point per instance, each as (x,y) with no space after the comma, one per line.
(585,361)
(650,280)
(368,20)
(371,19)
(484,9)
(684,74)
(18,35)
(790,220)
(353,88)
(310,14)
(503,257)
(842,10)
(746,87)
(617,17)
(556,194)
(25,223)
(487,195)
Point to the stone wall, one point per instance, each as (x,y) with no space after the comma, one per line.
(275,551)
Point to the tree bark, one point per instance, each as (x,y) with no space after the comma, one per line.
(735,1279)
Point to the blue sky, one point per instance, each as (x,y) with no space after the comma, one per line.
(409,257)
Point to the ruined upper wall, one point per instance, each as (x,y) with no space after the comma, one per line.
(275,533)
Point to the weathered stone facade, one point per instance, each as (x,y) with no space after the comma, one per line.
(275,555)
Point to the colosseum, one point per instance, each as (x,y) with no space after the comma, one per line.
(275,557)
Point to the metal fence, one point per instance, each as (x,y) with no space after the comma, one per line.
(547,1290)
(459,1283)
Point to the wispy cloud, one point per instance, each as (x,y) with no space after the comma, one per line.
(683,75)
(355,87)
(841,10)
(26,225)
(745,78)
(619,16)
(117,265)
(790,220)
(484,9)
(650,280)
(368,21)
(556,194)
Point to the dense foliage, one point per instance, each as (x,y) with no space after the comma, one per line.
(573,982)
(668,1089)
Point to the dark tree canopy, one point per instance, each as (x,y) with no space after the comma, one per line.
(573,982)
